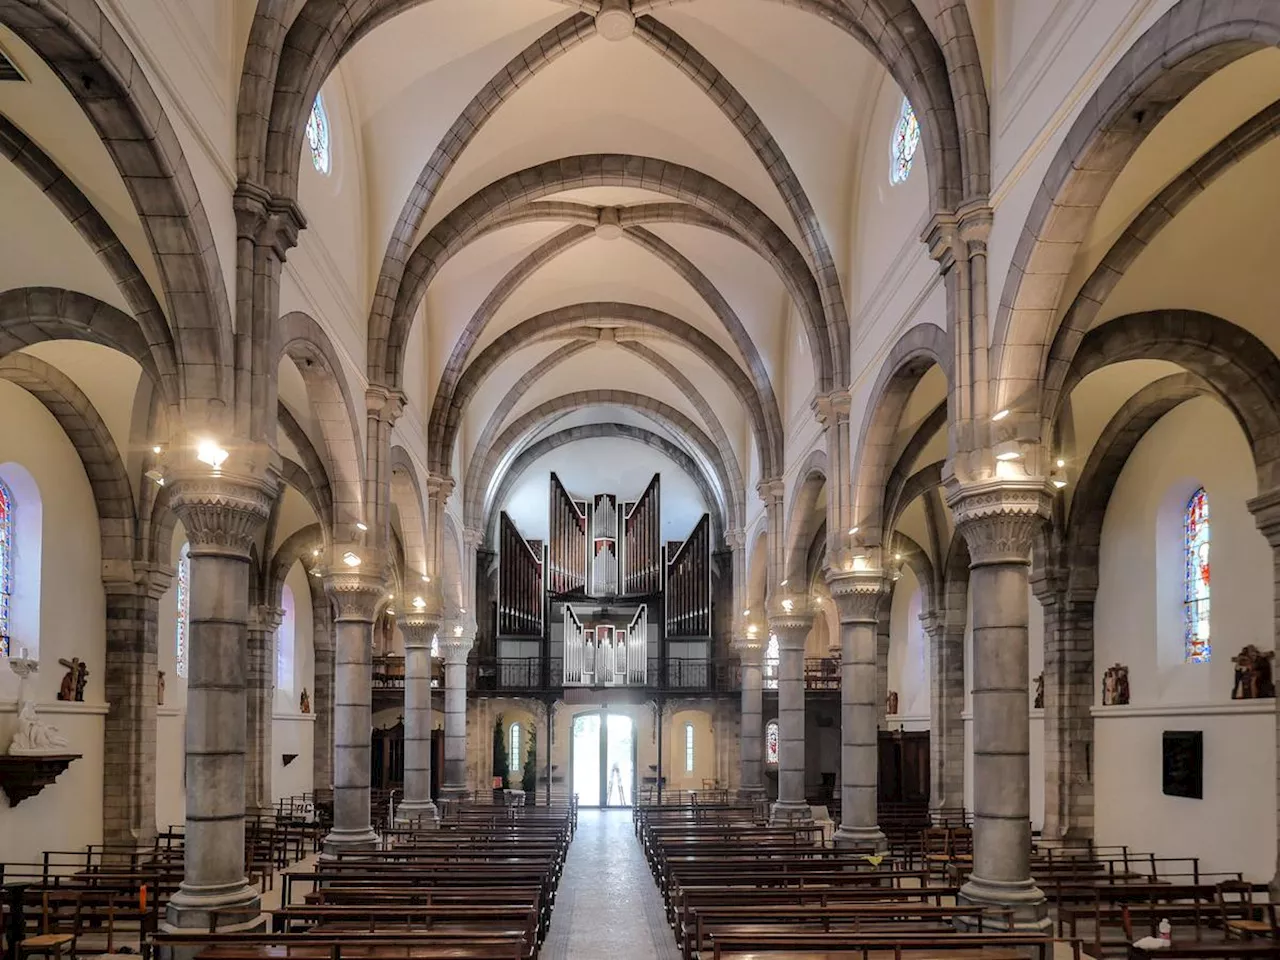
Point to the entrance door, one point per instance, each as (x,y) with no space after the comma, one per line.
(603,761)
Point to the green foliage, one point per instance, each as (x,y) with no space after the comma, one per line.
(500,754)
(529,779)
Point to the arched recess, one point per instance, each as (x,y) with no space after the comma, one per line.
(303,341)
(574,322)
(502,200)
(85,429)
(114,255)
(297,546)
(1189,43)
(807,515)
(406,494)
(452,565)
(588,431)
(310,478)
(98,68)
(488,461)
(919,349)
(758,571)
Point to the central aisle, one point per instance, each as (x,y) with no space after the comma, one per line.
(608,907)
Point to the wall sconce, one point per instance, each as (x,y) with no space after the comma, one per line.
(788,605)
(208,451)
(361,526)
(157,449)
(419,603)
(1007,450)
(999,415)
(350,559)
(457,631)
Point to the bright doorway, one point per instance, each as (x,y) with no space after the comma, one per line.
(604,759)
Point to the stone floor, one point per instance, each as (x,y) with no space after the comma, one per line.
(608,907)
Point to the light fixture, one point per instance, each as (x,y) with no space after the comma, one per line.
(788,605)
(391,611)
(1059,482)
(425,578)
(350,559)
(462,609)
(897,556)
(419,603)
(999,415)
(853,531)
(1061,462)
(361,526)
(157,449)
(457,630)
(315,573)
(208,451)
(315,552)
(1008,450)
(783,583)
(155,475)
(746,613)
(391,596)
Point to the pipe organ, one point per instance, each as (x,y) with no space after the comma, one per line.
(520,587)
(642,544)
(688,591)
(604,546)
(606,654)
(567,544)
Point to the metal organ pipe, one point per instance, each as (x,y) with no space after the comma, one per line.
(688,612)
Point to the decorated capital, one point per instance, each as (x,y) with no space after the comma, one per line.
(791,629)
(418,629)
(356,596)
(857,594)
(221,513)
(1000,519)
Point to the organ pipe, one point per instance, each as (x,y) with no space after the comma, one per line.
(641,551)
(566,542)
(520,583)
(688,594)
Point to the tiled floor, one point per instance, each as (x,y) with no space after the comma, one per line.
(608,907)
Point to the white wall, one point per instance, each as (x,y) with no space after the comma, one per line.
(909,655)
(1138,622)
(293,731)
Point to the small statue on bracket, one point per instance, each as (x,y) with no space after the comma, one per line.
(1038,703)
(1253,679)
(72,686)
(1115,686)
(159,688)
(304,702)
(891,706)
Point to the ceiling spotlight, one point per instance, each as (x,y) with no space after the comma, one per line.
(425,578)
(315,551)
(783,583)
(419,603)
(361,526)
(391,596)
(208,451)
(746,613)
(897,556)
(157,449)
(1059,482)
(457,630)
(788,605)
(852,531)
(1061,462)
(350,559)
(1008,450)
(999,415)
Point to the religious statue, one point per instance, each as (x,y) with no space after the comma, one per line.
(1253,679)
(1038,703)
(72,686)
(32,737)
(159,688)
(891,707)
(304,702)
(1115,686)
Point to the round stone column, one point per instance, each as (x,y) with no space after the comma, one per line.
(454,651)
(261,686)
(1000,521)
(417,807)
(751,732)
(857,596)
(792,631)
(222,515)
(357,600)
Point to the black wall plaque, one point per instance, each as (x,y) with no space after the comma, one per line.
(1184,764)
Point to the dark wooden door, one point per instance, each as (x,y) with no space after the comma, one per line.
(904,766)
(387,758)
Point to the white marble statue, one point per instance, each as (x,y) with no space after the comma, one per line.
(34,738)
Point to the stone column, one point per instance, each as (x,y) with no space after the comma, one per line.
(129,682)
(1000,520)
(946,727)
(857,597)
(454,650)
(260,704)
(322,693)
(417,806)
(792,630)
(222,515)
(751,737)
(357,600)
(1266,512)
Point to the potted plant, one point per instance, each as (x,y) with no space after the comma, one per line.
(529,780)
(499,760)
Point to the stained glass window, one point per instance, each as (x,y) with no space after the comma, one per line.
(906,138)
(182,633)
(688,748)
(318,135)
(6,565)
(771,742)
(1196,577)
(514,763)
(771,660)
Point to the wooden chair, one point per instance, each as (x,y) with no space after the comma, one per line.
(53,938)
(935,845)
(1240,916)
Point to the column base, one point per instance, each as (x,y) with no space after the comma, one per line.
(418,813)
(861,838)
(751,794)
(454,793)
(231,908)
(1023,897)
(348,841)
(788,811)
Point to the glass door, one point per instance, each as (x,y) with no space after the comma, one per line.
(620,758)
(586,758)
(603,760)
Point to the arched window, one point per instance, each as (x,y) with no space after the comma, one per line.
(1195,531)
(772,658)
(688,748)
(6,565)
(771,742)
(318,136)
(514,764)
(906,138)
(285,643)
(182,634)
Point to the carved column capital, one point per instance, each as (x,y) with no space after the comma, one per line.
(830,408)
(439,484)
(736,538)
(750,648)
(221,513)
(1266,513)
(941,236)
(418,629)
(384,403)
(265,618)
(472,538)
(455,647)
(792,630)
(772,489)
(974,221)
(1000,519)
(356,596)
(136,578)
(857,595)
(933,624)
